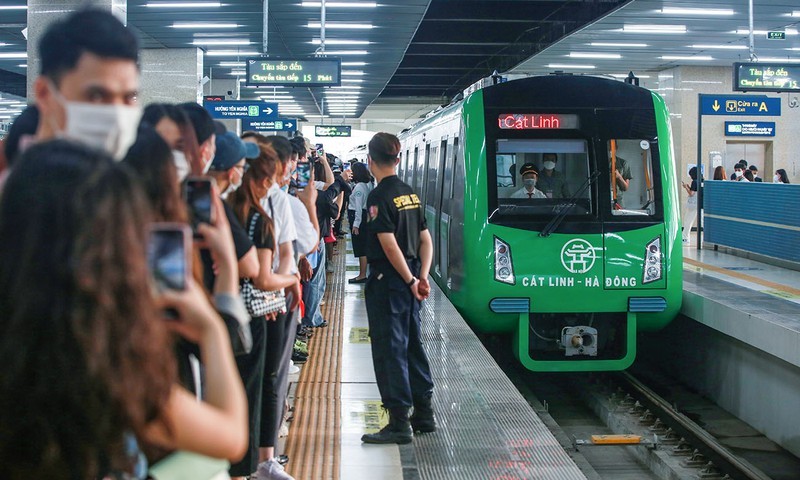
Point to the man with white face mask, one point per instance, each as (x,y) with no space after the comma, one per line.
(89,80)
(551,181)
(529,177)
(205,130)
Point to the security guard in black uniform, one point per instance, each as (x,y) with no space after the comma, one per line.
(399,252)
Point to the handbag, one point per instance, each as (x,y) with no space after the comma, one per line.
(260,302)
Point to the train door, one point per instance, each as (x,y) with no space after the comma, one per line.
(431,214)
(412,166)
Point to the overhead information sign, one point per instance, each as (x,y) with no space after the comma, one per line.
(332,130)
(536,121)
(750,129)
(294,72)
(241,109)
(277,125)
(766,77)
(751,105)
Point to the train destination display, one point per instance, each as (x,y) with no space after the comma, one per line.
(294,72)
(536,121)
(766,77)
(332,130)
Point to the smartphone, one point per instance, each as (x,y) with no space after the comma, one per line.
(168,249)
(303,174)
(197,193)
(320,150)
(345,165)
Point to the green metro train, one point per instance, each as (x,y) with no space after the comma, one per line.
(588,257)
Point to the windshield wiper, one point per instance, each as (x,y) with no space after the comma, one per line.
(566,207)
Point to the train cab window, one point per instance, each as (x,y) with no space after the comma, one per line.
(631,169)
(540,177)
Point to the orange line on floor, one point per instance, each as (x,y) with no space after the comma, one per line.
(744,276)
(314,442)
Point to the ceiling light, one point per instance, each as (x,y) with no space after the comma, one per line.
(561,65)
(341,4)
(342,26)
(795,13)
(222,42)
(23,65)
(276,97)
(352,80)
(203,25)
(697,11)
(611,56)
(617,44)
(654,28)
(746,31)
(182,4)
(341,92)
(350,87)
(699,58)
(346,52)
(721,47)
(14,7)
(354,64)
(231,53)
(779,60)
(14,55)
(625,75)
(238,72)
(232,64)
(352,72)
(317,41)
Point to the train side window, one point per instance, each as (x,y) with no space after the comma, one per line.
(405,175)
(452,181)
(433,164)
(631,174)
(412,169)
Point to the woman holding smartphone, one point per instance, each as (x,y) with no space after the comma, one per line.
(88,365)
(257,370)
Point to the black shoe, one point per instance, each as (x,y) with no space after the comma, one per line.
(298,358)
(357,280)
(398,431)
(322,325)
(423,420)
(283,459)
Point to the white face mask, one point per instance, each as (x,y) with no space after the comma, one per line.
(738,173)
(181,164)
(549,165)
(529,182)
(776,179)
(111,128)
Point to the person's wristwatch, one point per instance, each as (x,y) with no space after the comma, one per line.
(411,282)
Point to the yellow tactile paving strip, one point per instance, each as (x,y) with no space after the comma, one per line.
(314,442)
(743,276)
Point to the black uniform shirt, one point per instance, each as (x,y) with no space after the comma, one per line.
(393,207)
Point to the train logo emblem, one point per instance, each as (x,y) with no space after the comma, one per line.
(578,256)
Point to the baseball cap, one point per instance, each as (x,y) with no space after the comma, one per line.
(231,150)
(528,168)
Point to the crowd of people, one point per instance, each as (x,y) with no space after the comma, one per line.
(106,370)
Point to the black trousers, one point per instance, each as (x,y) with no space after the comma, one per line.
(276,369)
(401,366)
(251,369)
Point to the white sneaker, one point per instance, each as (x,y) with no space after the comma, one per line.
(272,470)
(293,369)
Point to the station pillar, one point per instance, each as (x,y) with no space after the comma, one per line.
(41,13)
(171,75)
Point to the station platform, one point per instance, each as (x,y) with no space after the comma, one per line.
(486,429)
(754,302)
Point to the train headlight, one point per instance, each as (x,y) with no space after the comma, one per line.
(503,267)
(652,261)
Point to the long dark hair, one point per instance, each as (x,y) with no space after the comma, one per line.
(782,173)
(360,173)
(248,196)
(86,358)
(151,159)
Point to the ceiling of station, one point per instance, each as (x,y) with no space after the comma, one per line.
(653,35)
(427,51)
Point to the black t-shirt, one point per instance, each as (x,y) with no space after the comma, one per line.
(261,239)
(393,207)
(241,241)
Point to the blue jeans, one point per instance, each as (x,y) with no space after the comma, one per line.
(313,290)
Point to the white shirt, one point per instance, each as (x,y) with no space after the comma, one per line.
(358,200)
(307,237)
(523,193)
(282,219)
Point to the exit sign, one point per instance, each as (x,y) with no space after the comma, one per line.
(776,35)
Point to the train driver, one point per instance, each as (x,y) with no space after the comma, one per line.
(529,177)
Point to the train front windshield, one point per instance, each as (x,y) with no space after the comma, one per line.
(541,176)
